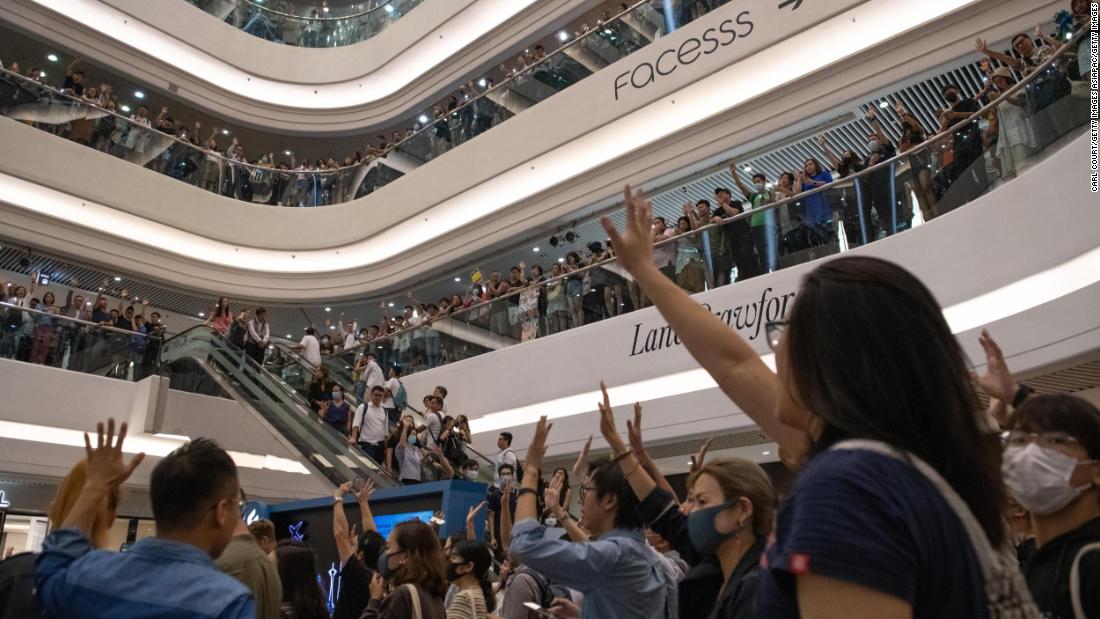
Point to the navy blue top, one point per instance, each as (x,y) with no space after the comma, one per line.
(157,579)
(871,520)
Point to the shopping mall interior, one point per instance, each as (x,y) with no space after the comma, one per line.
(239,219)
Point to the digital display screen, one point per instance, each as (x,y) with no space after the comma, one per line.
(387,522)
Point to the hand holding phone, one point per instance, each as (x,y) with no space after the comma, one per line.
(537,610)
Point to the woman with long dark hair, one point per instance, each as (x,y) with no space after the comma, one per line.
(221,318)
(896,511)
(302,596)
(412,565)
(468,567)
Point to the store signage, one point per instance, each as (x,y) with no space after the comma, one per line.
(743,28)
(747,319)
(4,503)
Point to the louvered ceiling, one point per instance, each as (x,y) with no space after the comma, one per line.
(844,128)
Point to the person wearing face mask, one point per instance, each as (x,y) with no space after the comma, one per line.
(368,429)
(966,170)
(338,412)
(876,183)
(764,234)
(408,453)
(1051,467)
(503,489)
(891,464)
(470,470)
(722,532)
(412,564)
(468,568)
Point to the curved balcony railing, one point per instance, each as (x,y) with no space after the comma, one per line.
(308,25)
(946,171)
(477,107)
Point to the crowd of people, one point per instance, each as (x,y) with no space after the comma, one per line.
(82,335)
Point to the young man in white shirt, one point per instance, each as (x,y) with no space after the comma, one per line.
(310,348)
(441,393)
(392,386)
(350,340)
(506,455)
(370,375)
(369,426)
(258,337)
(433,419)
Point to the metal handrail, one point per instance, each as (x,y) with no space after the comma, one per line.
(960,125)
(87,323)
(318,18)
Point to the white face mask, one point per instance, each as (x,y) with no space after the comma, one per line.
(1039,478)
(760,186)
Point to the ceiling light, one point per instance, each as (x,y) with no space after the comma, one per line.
(481,82)
(288,336)
(328,309)
(748,168)
(52,57)
(458,279)
(332,327)
(391,303)
(389,8)
(202,314)
(884,104)
(535,250)
(117,278)
(287,153)
(423,118)
(563,36)
(41,74)
(767,453)
(561,259)
(225,131)
(139,94)
(125,108)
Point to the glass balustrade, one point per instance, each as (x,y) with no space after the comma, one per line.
(297,374)
(67,338)
(308,25)
(979,151)
(478,106)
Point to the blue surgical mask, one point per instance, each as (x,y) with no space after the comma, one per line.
(384,569)
(337,395)
(701,530)
(412,440)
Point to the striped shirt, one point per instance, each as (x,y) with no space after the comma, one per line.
(468,604)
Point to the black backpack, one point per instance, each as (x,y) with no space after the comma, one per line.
(548,590)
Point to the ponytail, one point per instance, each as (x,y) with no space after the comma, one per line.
(479,554)
(487,592)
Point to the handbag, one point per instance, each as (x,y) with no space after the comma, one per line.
(1005,590)
(414,597)
(1075,580)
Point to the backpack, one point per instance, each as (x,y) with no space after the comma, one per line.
(401,398)
(237,333)
(548,590)
(519,470)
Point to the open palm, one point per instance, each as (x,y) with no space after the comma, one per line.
(634,244)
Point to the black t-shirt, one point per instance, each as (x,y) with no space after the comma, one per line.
(123,322)
(967,133)
(874,521)
(493,497)
(1048,571)
(354,590)
(78,89)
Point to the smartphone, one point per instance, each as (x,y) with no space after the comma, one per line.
(358,484)
(436,520)
(538,610)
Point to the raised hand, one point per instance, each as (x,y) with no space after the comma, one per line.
(104,467)
(979,44)
(551,496)
(634,431)
(870,114)
(997,381)
(698,459)
(582,458)
(537,449)
(365,492)
(607,423)
(471,514)
(634,245)
(821,141)
(345,488)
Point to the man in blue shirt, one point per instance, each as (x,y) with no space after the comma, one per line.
(616,572)
(195,495)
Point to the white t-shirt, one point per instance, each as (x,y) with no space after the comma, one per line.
(371,421)
(393,385)
(311,350)
(506,456)
(434,422)
(372,375)
(350,341)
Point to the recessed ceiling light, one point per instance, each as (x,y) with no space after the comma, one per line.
(289,336)
(422,118)
(202,314)
(139,94)
(563,36)
(767,453)
(328,309)
(561,259)
(391,303)
(332,327)
(748,168)
(458,279)
(884,104)
(481,82)
(41,74)
(389,8)
(287,153)
(125,108)
(535,249)
(225,131)
(52,57)
(117,278)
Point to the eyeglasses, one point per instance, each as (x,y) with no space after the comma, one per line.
(774,330)
(1052,440)
(584,489)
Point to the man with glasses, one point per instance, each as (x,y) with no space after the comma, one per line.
(368,429)
(196,503)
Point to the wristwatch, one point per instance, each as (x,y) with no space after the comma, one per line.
(1021,394)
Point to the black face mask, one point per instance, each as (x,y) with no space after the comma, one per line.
(951,97)
(452,571)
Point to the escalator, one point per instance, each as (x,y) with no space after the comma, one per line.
(295,374)
(200,360)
